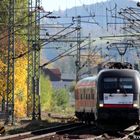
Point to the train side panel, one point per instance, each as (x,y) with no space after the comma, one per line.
(86,95)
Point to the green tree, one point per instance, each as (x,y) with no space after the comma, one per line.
(46,93)
(61,98)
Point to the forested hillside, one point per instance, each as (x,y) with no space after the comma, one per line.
(101,25)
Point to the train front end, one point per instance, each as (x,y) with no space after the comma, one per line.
(118,95)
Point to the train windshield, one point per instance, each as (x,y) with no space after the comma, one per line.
(123,83)
(110,83)
(126,84)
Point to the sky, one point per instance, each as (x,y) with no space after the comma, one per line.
(50,5)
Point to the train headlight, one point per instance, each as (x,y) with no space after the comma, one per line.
(101,105)
(135,105)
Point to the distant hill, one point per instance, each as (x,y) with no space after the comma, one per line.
(99,10)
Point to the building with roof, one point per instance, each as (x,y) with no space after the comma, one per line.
(59,80)
(53,74)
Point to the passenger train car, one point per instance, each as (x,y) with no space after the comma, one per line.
(114,94)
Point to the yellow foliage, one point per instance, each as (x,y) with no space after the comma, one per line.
(2,78)
(20,109)
(20,87)
(2,66)
(20,76)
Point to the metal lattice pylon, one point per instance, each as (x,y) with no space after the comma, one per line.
(33,103)
(30,58)
(10,68)
(36,70)
(78,61)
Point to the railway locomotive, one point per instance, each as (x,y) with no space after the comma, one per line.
(114,94)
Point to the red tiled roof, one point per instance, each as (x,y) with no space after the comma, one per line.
(54,74)
(55,71)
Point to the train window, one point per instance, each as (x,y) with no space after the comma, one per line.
(126,83)
(92,96)
(110,83)
(88,96)
(88,90)
(84,95)
(77,94)
(110,79)
(93,90)
(81,96)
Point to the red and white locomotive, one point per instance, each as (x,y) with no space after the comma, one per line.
(114,94)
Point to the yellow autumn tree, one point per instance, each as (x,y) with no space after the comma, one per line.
(20,64)
(2,80)
(3,65)
(20,87)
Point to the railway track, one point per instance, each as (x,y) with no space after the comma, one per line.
(79,131)
(106,133)
(42,133)
(122,134)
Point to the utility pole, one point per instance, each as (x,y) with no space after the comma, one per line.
(30,58)
(89,55)
(78,61)
(10,63)
(33,103)
(36,47)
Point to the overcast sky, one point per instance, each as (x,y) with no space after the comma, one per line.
(50,5)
